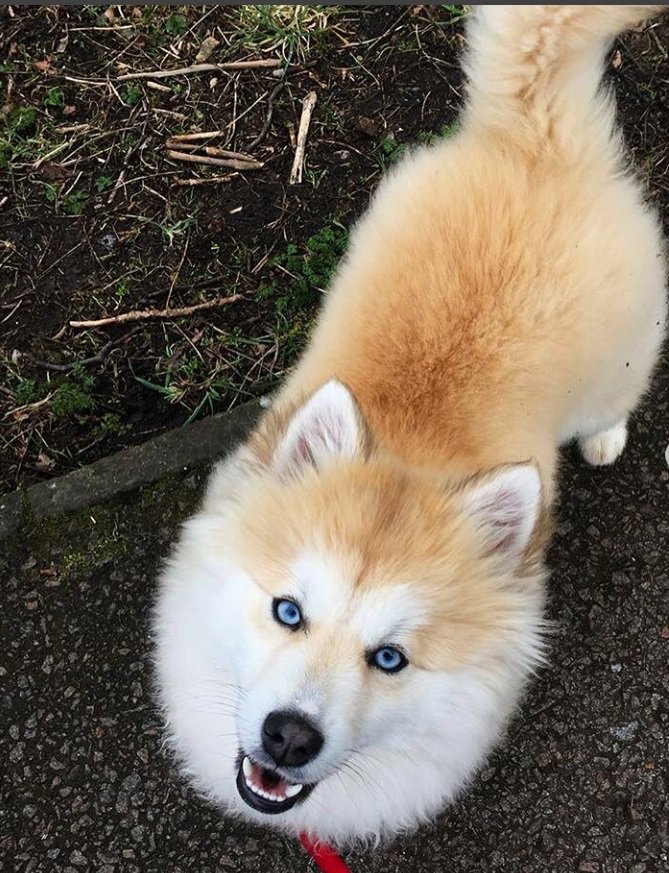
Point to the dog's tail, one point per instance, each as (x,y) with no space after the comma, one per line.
(535,73)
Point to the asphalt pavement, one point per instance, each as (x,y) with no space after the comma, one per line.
(579,784)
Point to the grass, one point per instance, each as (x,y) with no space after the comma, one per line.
(455,13)
(98,218)
(73,394)
(199,380)
(304,273)
(283,29)
(390,151)
(17,136)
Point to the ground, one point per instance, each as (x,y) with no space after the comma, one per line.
(579,783)
(95,220)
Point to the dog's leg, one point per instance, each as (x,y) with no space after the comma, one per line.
(606,446)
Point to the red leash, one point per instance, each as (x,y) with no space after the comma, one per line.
(327,860)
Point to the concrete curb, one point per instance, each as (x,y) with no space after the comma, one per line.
(129,469)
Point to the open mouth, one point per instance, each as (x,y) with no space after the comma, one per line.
(265,791)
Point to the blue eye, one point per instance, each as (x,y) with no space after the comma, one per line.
(388,659)
(287,612)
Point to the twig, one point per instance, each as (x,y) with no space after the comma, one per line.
(215,162)
(303,130)
(98,358)
(202,68)
(178,115)
(206,181)
(71,128)
(94,359)
(213,151)
(146,314)
(29,407)
(156,86)
(195,137)
(264,130)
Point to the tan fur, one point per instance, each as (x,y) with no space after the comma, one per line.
(399,530)
(493,292)
(503,295)
(487,298)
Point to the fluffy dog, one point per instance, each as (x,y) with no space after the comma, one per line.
(347,623)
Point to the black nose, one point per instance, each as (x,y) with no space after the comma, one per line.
(289,739)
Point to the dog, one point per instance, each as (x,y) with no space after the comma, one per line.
(346,625)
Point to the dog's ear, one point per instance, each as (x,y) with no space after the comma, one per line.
(328,426)
(505,505)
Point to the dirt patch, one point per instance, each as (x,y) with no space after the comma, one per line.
(95,221)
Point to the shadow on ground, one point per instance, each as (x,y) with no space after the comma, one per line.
(580,783)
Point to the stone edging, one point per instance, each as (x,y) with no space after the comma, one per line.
(128,469)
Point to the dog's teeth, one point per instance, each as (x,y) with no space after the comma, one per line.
(254,788)
(293,790)
(247,768)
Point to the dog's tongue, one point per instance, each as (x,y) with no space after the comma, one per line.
(267,780)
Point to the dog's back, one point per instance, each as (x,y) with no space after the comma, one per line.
(506,290)
(363,588)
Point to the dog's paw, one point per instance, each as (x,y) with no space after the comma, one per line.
(604,447)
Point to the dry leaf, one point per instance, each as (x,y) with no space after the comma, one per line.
(207,47)
(368,126)
(52,171)
(44,462)
(617,60)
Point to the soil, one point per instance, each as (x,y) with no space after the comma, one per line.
(94,222)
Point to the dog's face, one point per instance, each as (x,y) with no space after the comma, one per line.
(340,639)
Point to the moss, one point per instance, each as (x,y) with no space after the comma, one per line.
(79,542)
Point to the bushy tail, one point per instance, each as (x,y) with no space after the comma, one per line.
(535,71)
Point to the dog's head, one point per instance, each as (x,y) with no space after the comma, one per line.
(340,638)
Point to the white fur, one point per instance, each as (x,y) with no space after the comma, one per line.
(326,427)
(606,446)
(505,506)
(416,737)
(397,748)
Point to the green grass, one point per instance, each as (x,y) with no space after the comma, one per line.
(110,425)
(17,134)
(54,97)
(287,30)
(132,94)
(176,24)
(427,137)
(303,273)
(102,183)
(73,394)
(74,203)
(454,13)
(25,392)
(390,151)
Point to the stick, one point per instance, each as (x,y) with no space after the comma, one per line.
(303,130)
(145,314)
(158,87)
(94,359)
(193,137)
(264,130)
(213,151)
(202,68)
(206,181)
(215,162)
